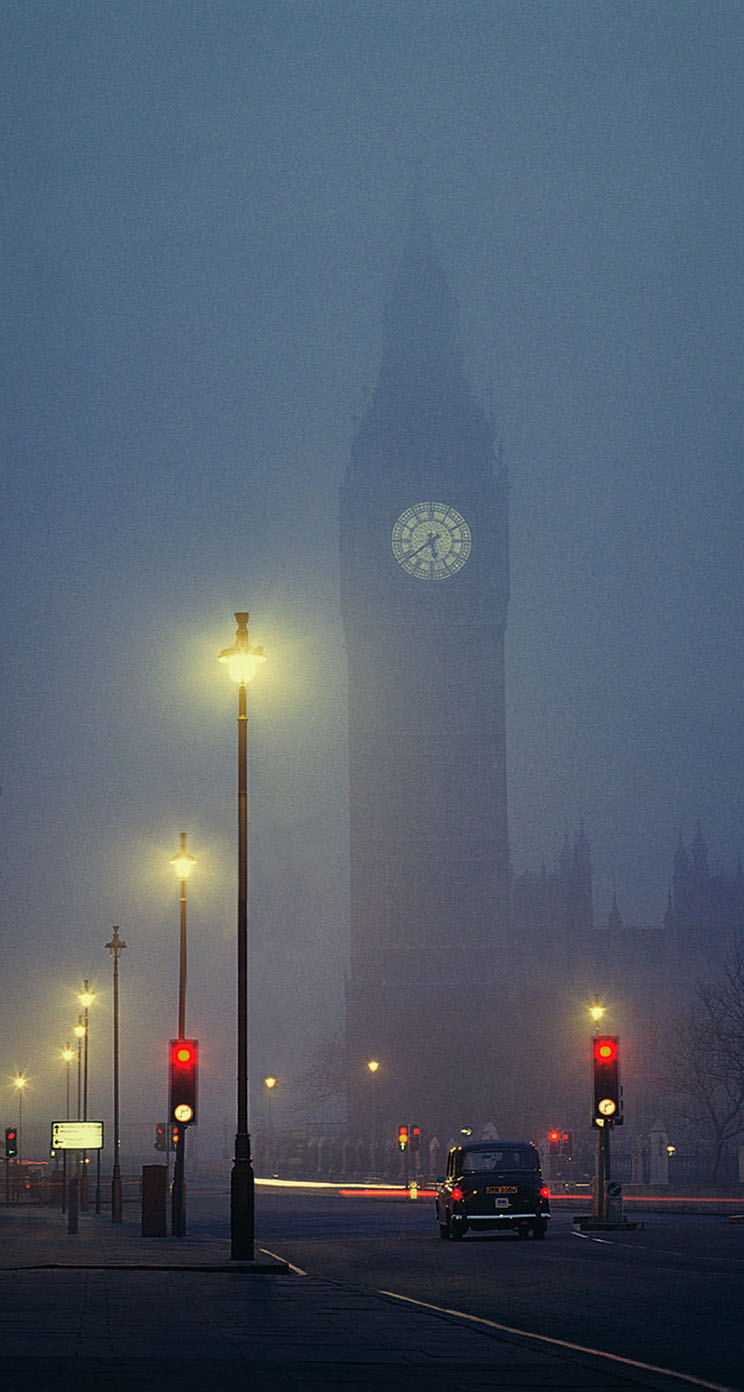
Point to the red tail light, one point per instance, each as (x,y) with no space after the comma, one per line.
(545,1192)
(457,1193)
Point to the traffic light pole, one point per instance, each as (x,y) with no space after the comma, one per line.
(603,1173)
(178,1191)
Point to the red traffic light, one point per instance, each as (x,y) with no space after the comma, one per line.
(402,1137)
(184,1058)
(607,1109)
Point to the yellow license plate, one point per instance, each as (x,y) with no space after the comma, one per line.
(502,1189)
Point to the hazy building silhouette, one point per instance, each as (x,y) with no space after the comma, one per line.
(424,591)
(468,987)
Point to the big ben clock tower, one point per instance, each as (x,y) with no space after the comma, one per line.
(424,592)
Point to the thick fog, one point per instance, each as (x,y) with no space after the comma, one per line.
(203,209)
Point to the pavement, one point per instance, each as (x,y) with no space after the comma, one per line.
(107,1310)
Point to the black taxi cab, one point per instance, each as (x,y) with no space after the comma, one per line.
(493,1184)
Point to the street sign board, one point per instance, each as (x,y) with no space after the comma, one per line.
(77,1135)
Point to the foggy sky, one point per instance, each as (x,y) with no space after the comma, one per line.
(203,207)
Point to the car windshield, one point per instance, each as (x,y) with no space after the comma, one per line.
(498,1158)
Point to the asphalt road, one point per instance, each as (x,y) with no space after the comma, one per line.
(670,1295)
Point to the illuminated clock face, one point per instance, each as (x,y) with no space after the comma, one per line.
(431,541)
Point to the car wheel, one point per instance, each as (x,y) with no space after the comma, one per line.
(456,1229)
(523,1230)
(539,1229)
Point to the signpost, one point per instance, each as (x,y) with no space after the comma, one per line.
(77,1135)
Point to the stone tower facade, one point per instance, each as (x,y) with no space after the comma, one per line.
(424,593)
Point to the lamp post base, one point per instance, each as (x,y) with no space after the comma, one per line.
(242,1207)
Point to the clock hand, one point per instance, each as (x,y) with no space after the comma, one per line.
(432,537)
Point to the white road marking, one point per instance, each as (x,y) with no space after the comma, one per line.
(560,1343)
(297,1269)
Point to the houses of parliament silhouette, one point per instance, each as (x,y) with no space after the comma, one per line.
(468,985)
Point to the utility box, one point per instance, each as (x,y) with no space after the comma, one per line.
(154,1188)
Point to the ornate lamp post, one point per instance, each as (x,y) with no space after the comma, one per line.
(242,661)
(115,949)
(183,864)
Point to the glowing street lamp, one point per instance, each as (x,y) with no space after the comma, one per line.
(242,662)
(373,1066)
(86,999)
(79,1033)
(597,1012)
(183,864)
(115,949)
(68,1055)
(270,1084)
(19,1083)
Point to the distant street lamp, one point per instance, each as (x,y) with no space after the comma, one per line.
(597,1012)
(183,864)
(115,949)
(270,1084)
(19,1083)
(86,998)
(68,1055)
(242,661)
(79,1033)
(373,1066)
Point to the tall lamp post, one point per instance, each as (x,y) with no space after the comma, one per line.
(183,864)
(19,1083)
(79,1033)
(270,1084)
(68,1055)
(373,1066)
(115,949)
(86,998)
(242,661)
